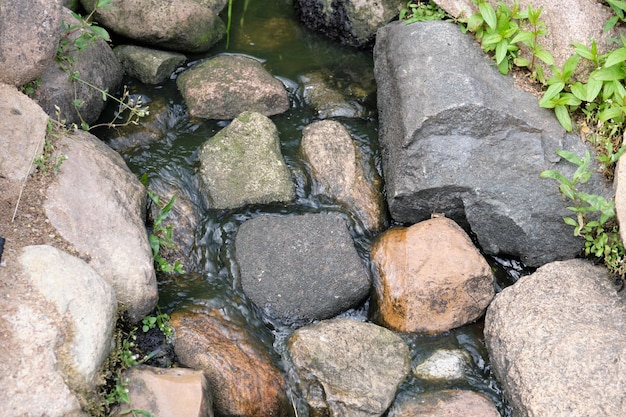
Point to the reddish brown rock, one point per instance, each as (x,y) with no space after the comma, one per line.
(429,278)
(240,369)
(446,403)
(168,392)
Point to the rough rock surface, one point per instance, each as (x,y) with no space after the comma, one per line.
(243,164)
(348,368)
(98,205)
(446,403)
(239,368)
(620,195)
(429,278)
(150,66)
(96,65)
(339,171)
(169,392)
(82,297)
(352,22)
(459,139)
(300,267)
(227,85)
(557,342)
(443,364)
(178,25)
(22,133)
(29,37)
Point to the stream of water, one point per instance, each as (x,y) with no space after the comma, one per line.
(269,31)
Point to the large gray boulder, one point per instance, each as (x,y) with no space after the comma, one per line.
(243,164)
(348,368)
(352,22)
(300,267)
(227,85)
(96,65)
(98,205)
(557,342)
(29,36)
(85,301)
(458,138)
(178,25)
(23,128)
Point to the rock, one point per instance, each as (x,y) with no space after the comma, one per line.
(619,184)
(23,127)
(459,139)
(352,22)
(348,368)
(96,65)
(178,25)
(445,403)
(227,85)
(443,284)
(85,300)
(167,392)
(337,95)
(215,5)
(242,164)
(557,342)
(238,366)
(98,206)
(29,38)
(443,364)
(566,22)
(300,268)
(339,171)
(150,66)
(32,384)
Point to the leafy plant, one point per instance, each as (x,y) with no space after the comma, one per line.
(619,7)
(558,95)
(160,321)
(594,215)
(48,161)
(500,31)
(421,11)
(161,236)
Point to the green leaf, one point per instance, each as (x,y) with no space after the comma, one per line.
(524,37)
(475,22)
(562,115)
(488,14)
(610,23)
(570,156)
(492,39)
(555,175)
(583,51)
(550,93)
(569,67)
(611,73)
(545,56)
(616,57)
(100,32)
(610,113)
(570,221)
(522,62)
(501,51)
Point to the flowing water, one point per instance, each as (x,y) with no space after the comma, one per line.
(269,31)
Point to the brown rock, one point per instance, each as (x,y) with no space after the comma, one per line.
(339,171)
(240,368)
(446,403)
(168,392)
(227,85)
(429,278)
(29,36)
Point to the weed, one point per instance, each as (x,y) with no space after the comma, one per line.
(48,160)
(161,236)
(594,215)
(161,321)
(421,12)
(30,88)
(619,7)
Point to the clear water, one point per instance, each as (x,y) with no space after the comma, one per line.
(268,31)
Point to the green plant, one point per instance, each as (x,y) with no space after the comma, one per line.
(78,37)
(48,160)
(619,7)
(594,215)
(30,88)
(500,30)
(558,96)
(161,236)
(421,11)
(160,321)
